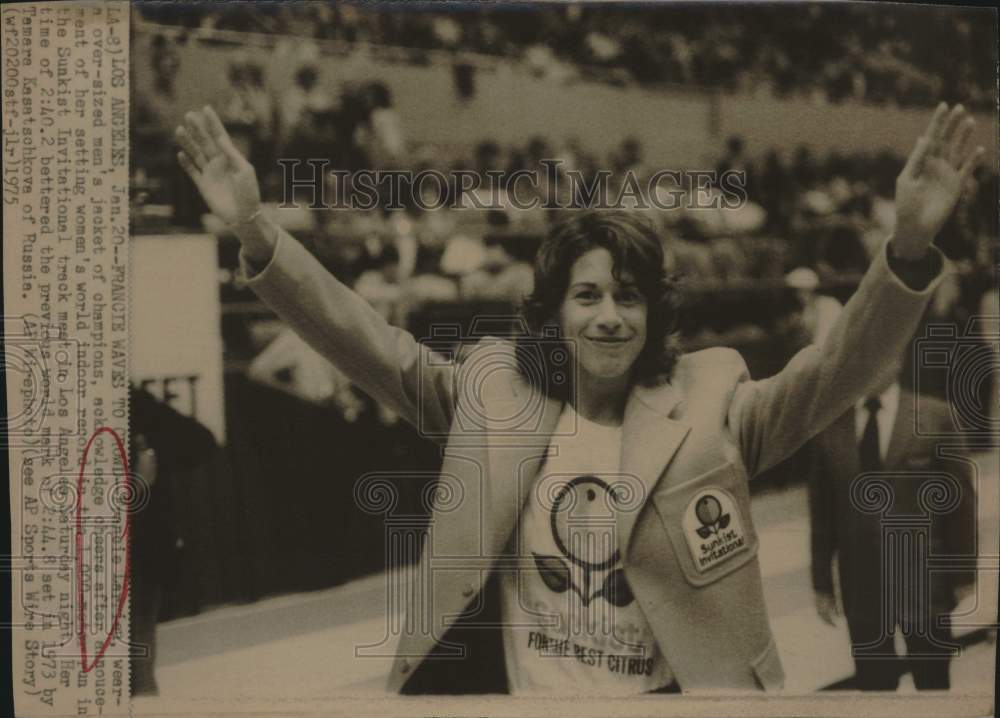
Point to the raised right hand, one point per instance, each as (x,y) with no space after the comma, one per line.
(931,182)
(225,179)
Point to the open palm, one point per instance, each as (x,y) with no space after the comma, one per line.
(225,179)
(931,182)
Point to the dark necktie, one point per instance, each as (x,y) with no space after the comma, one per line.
(868,451)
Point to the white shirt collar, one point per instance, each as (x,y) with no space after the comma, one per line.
(889,398)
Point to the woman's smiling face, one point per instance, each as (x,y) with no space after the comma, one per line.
(603,319)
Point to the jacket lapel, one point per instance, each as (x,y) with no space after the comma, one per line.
(515,457)
(650,438)
(649,441)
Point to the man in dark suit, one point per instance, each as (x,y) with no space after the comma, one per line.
(893,506)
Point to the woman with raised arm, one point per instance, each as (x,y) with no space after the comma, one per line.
(592,531)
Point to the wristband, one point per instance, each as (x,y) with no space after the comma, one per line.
(249,219)
(917,273)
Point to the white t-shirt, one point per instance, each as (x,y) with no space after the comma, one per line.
(571,624)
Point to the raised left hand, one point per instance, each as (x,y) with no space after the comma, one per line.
(932,180)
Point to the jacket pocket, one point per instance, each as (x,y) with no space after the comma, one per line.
(767,668)
(708,522)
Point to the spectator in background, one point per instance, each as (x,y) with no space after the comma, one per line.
(289,364)
(464,79)
(447,31)
(877,435)
(386,142)
(817,198)
(305,109)
(735,159)
(155,179)
(827,53)
(775,194)
(308,122)
(351,149)
(602,49)
(818,311)
(463,255)
(354,243)
(154,108)
(251,108)
(248,102)
(841,252)
(960,237)
(380,285)
(629,158)
(165,446)
(499,276)
(420,240)
(487,157)
(804,170)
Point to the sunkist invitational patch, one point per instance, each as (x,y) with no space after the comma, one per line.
(713,528)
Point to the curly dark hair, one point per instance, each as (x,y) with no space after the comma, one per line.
(635,248)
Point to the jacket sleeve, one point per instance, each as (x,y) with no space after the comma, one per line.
(385,361)
(773,417)
(822,516)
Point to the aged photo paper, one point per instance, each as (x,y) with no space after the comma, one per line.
(66,352)
(501,359)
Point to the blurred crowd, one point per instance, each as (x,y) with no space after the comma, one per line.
(823,216)
(829,213)
(824,212)
(808,222)
(905,55)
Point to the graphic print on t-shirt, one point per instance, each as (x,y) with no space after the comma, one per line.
(575,574)
(581,540)
(571,622)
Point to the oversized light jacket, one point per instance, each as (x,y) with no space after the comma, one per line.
(706,432)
